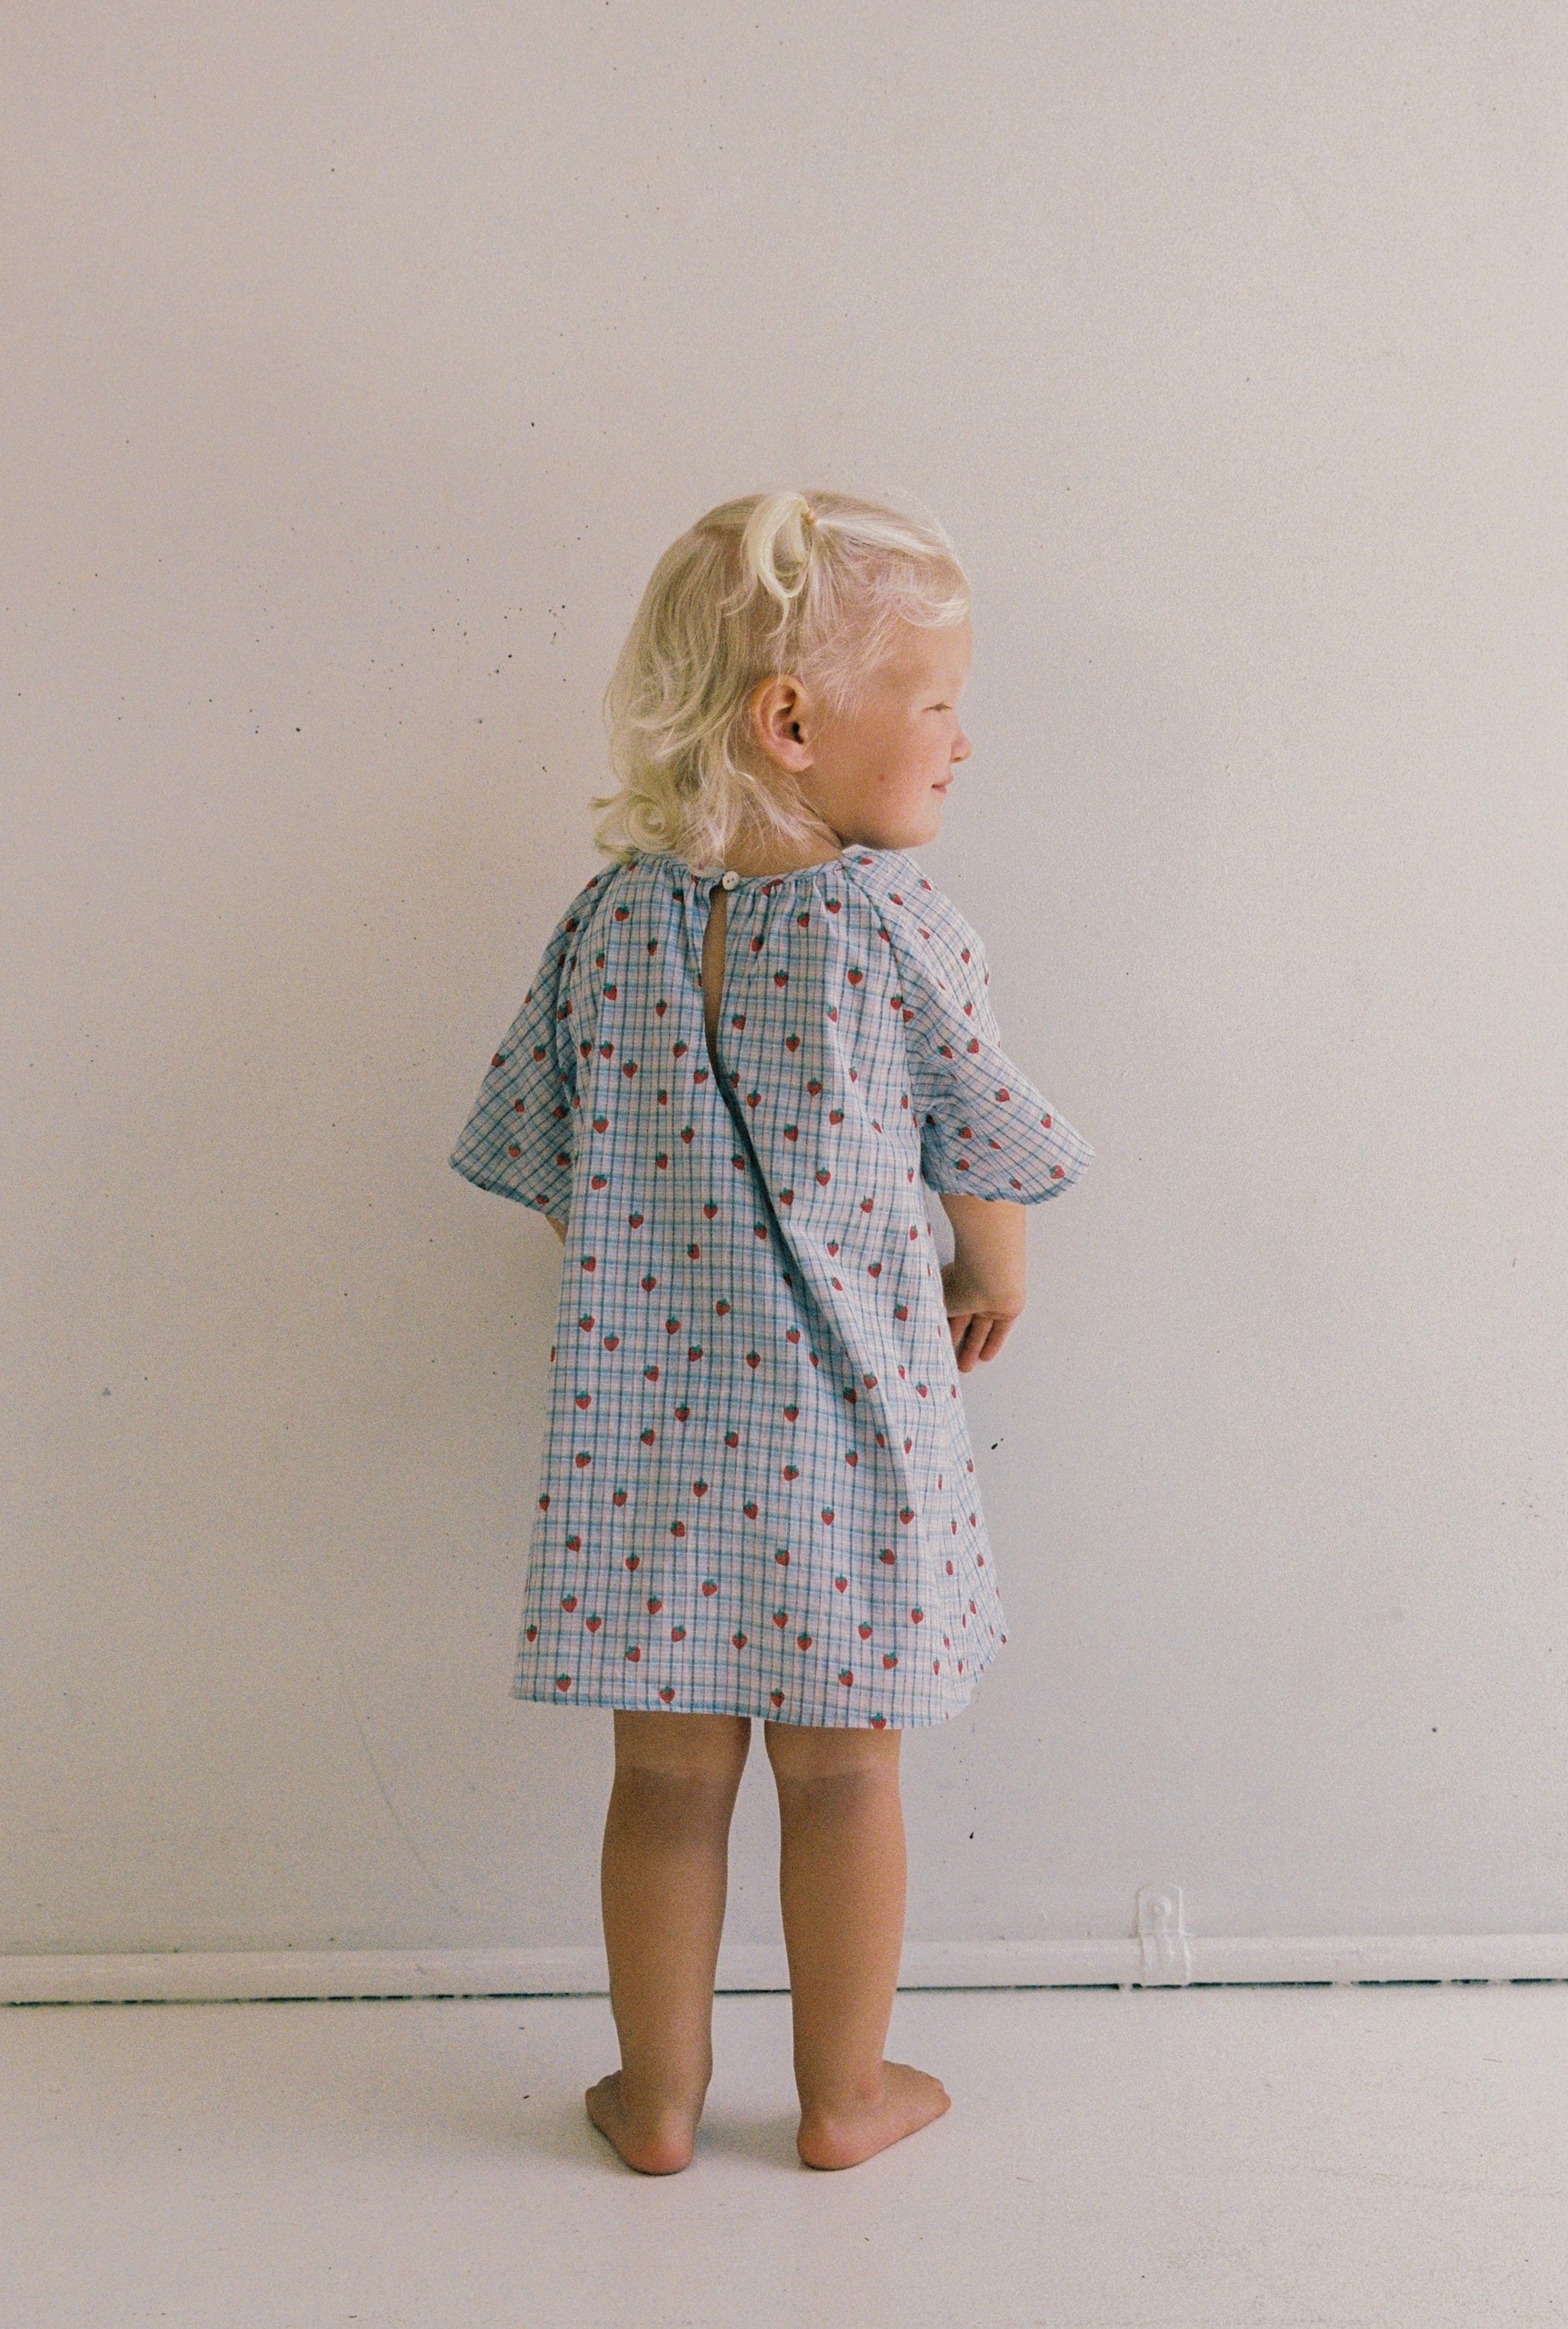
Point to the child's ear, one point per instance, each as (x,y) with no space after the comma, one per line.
(781,721)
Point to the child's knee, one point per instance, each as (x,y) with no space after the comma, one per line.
(676,1754)
(831,1760)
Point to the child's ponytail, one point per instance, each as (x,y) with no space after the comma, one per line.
(815,584)
(776,549)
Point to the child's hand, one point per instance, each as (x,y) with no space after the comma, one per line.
(981,1303)
(983,1285)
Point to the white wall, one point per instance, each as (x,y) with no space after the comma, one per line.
(360,361)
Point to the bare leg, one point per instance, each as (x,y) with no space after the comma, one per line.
(840,1887)
(664,1873)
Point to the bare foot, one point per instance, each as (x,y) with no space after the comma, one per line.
(655,2143)
(909,2099)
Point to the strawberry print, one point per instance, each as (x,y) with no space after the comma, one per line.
(752,1387)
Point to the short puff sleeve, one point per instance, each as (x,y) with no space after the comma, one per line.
(520,1138)
(985,1131)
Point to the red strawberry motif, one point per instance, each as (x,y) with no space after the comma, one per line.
(699,1487)
(827,1515)
(782,1557)
(780,1617)
(739,1640)
(842,1583)
(710,1587)
(569,1600)
(844,1675)
(584,1456)
(667,1693)
(532,1632)
(791,1472)
(721,1307)
(823,1176)
(677,1528)
(835,1116)
(887,1553)
(648,1283)
(864,1630)
(917,1617)
(750,1509)
(611,1342)
(878,1722)
(792,1131)
(633,1652)
(634,1561)
(889,1658)
(598,1181)
(563,1682)
(634,1221)
(656,1602)
(593,1622)
(619,1497)
(753,1358)
(776,1696)
(648,1437)
(855,977)
(584,1397)
(677,1633)
(803,1641)
(731,1439)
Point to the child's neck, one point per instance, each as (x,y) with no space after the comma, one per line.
(750,854)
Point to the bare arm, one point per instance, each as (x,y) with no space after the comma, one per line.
(983,1285)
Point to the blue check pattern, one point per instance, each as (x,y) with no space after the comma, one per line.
(756,1493)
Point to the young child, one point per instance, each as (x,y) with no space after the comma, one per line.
(750,1041)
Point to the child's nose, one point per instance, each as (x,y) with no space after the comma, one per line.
(961,746)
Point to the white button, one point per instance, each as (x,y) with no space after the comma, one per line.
(729,880)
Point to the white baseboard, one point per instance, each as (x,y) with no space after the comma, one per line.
(234,1975)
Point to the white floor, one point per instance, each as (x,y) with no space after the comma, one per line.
(1390,2158)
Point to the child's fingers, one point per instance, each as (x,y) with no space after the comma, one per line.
(976,1334)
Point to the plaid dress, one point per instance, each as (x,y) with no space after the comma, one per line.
(756,1493)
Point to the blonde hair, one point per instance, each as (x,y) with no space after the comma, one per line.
(813,585)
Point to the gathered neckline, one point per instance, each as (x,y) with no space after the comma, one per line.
(711,876)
